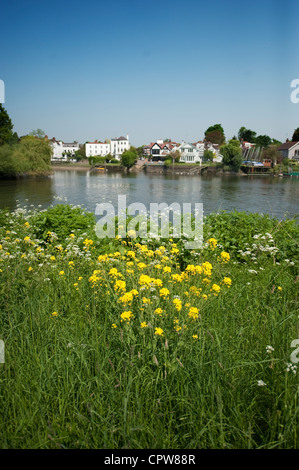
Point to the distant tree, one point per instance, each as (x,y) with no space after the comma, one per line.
(208,155)
(263,141)
(295,137)
(247,135)
(234,142)
(6,126)
(215,134)
(38,133)
(139,151)
(30,155)
(232,156)
(108,157)
(272,153)
(129,158)
(80,154)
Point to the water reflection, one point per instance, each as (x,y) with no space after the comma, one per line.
(275,196)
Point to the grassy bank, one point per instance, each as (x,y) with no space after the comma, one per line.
(128,343)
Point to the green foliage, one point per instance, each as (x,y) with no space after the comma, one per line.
(77,376)
(232,156)
(80,154)
(234,142)
(96,160)
(6,126)
(129,158)
(236,231)
(39,133)
(29,156)
(215,134)
(62,219)
(272,153)
(208,155)
(246,134)
(263,141)
(295,137)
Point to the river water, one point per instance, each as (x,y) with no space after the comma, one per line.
(275,196)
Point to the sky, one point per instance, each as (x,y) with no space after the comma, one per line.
(87,70)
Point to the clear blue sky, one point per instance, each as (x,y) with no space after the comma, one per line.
(85,70)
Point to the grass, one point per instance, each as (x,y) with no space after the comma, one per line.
(79,373)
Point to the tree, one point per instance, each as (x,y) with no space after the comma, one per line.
(208,155)
(129,158)
(272,153)
(38,133)
(30,155)
(215,134)
(263,141)
(80,154)
(247,135)
(232,156)
(295,137)
(234,142)
(6,126)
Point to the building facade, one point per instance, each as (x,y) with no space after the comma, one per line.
(62,150)
(116,147)
(289,150)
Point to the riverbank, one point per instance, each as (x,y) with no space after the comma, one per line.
(70,166)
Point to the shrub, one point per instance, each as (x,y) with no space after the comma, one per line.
(62,220)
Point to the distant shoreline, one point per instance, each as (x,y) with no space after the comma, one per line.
(71,166)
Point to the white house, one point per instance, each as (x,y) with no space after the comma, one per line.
(119,146)
(116,147)
(62,150)
(100,149)
(189,153)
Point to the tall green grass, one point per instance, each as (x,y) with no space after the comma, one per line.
(74,381)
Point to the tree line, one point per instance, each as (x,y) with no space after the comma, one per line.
(27,155)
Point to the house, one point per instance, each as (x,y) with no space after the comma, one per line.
(159,150)
(289,150)
(97,149)
(189,153)
(116,147)
(62,150)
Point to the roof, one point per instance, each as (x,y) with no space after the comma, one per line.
(287,145)
(120,138)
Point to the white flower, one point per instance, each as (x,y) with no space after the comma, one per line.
(269,349)
(291,368)
(261,383)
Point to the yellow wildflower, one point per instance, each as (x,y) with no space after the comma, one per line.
(127,316)
(164,292)
(193,313)
(212,243)
(225,256)
(159,331)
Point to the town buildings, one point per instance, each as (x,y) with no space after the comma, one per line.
(62,150)
(115,147)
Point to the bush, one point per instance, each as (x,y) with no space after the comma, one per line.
(62,220)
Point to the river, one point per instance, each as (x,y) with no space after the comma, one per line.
(275,196)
